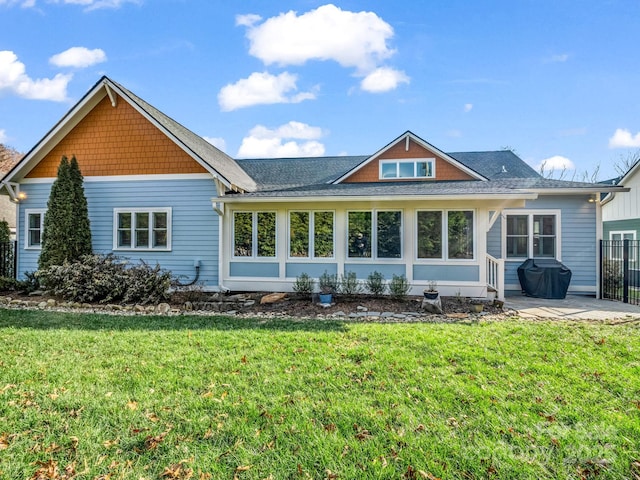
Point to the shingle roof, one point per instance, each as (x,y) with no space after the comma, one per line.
(496,164)
(223,164)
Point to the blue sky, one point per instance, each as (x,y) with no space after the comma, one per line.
(556,81)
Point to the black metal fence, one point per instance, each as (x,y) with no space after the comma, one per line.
(620,270)
(8,259)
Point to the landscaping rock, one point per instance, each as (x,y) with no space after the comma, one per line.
(163,308)
(272,298)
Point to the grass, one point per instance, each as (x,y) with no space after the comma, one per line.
(110,397)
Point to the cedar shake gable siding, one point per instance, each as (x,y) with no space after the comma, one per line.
(117,141)
(371,171)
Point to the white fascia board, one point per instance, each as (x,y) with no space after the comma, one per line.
(427,146)
(578,191)
(368,198)
(169,135)
(59,130)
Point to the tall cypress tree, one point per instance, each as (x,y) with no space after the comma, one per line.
(66,232)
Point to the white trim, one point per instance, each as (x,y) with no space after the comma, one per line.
(373,237)
(423,144)
(130,178)
(474,197)
(254,236)
(414,161)
(27,213)
(530,214)
(310,235)
(134,211)
(622,233)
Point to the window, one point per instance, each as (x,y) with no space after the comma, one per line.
(375,234)
(532,235)
(617,244)
(142,229)
(311,234)
(254,234)
(453,229)
(34,225)
(407,168)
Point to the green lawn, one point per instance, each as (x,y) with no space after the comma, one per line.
(115,397)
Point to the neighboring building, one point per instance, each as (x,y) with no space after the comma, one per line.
(8,158)
(621,213)
(160,193)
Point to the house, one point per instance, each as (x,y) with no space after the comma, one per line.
(158,192)
(621,213)
(8,158)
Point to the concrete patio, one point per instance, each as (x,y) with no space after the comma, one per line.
(573,307)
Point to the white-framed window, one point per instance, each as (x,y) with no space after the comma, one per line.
(445,234)
(33,226)
(408,168)
(142,229)
(254,234)
(374,233)
(311,234)
(532,234)
(618,237)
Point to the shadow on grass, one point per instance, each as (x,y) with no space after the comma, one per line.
(47,320)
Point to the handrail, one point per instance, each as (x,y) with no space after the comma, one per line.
(495,275)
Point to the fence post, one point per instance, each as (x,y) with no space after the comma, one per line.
(625,270)
(601,264)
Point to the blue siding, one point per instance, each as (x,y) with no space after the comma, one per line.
(194,222)
(312,269)
(254,269)
(579,245)
(363,270)
(446,273)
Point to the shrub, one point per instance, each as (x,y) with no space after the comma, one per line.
(5,231)
(106,278)
(375,284)
(399,286)
(328,283)
(349,284)
(304,284)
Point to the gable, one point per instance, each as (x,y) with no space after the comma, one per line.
(410,149)
(117,141)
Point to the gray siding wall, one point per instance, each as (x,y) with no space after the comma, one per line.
(194,222)
(631,224)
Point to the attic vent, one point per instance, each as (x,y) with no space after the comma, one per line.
(504,169)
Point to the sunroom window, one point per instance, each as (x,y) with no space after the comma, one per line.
(445,232)
(311,234)
(375,234)
(254,234)
(407,168)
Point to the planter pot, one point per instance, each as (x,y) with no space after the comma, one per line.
(326,298)
(476,307)
(429,295)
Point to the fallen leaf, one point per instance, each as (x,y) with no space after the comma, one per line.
(4,441)
(243,468)
(132,405)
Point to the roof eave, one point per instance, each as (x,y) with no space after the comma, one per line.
(369,198)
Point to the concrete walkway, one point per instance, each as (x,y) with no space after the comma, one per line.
(573,307)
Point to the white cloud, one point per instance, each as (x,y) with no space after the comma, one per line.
(383,79)
(468,107)
(14,79)
(353,39)
(263,142)
(96,4)
(556,163)
(558,58)
(78,57)
(3,136)
(623,138)
(217,142)
(247,20)
(260,89)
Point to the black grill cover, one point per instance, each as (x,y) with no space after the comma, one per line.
(544,278)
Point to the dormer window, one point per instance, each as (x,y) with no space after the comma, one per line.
(407,168)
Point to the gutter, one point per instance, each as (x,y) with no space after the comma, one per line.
(369,198)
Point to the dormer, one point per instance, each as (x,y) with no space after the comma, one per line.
(409,158)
